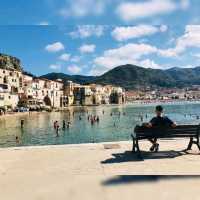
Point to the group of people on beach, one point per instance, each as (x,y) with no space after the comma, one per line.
(64,126)
(118,113)
(93,119)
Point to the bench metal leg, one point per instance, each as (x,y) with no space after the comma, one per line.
(193,142)
(134,146)
(190,144)
(198,144)
(138,150)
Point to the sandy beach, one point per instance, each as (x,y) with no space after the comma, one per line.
(92,171)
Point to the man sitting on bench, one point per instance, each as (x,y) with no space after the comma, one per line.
(158,121)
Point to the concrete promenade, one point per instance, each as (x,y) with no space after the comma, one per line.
(92,171)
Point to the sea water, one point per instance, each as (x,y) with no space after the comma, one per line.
(38,128)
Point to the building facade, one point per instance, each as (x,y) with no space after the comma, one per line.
(21,89)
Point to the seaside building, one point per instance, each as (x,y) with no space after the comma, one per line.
(11,81)
(18,88)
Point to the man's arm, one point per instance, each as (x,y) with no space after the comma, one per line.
(148,125)
(172,124)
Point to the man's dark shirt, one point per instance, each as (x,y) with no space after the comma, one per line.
(161,121)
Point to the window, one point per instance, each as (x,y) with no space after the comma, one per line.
(5,79)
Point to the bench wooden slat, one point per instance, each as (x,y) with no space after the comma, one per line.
(181,131)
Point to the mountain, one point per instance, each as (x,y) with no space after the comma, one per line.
(10,62)
(65,77)
(131,76)
(185,76)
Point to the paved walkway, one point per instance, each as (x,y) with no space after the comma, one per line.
(89,172)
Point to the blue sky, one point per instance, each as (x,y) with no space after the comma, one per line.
(91,37)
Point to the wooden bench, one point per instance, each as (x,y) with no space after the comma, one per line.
(181,131)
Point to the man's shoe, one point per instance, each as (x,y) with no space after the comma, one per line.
(152,148)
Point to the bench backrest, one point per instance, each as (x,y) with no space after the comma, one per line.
(167,132)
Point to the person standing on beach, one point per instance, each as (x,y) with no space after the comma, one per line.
(17,139)
(64,125)
(22,123)
(56,127)
(97,119)
(158,121)
(54,124)
(68,125)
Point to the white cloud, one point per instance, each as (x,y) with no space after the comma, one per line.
(84,31)
(163,28)
(196,55)
(87,48)
(130,50)
(74,69)
(55,47)
(128,11)
(189,39)
(171,52)
(75,59)
(128,32)
(103,64)
(65,57)
(44,23)
(148,63)
(55,66)
(128,54)
(184,4)
(132,53)
(82,8)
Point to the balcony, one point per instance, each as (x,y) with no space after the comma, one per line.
(4,88)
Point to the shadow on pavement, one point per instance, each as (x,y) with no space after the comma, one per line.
(128,156)
(126,179)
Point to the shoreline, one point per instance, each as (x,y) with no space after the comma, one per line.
(140,103)
(86,145)
(79,145)
(18,114)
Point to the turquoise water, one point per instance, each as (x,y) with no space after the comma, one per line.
(38,128)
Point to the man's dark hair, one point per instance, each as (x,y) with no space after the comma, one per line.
(159,108)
